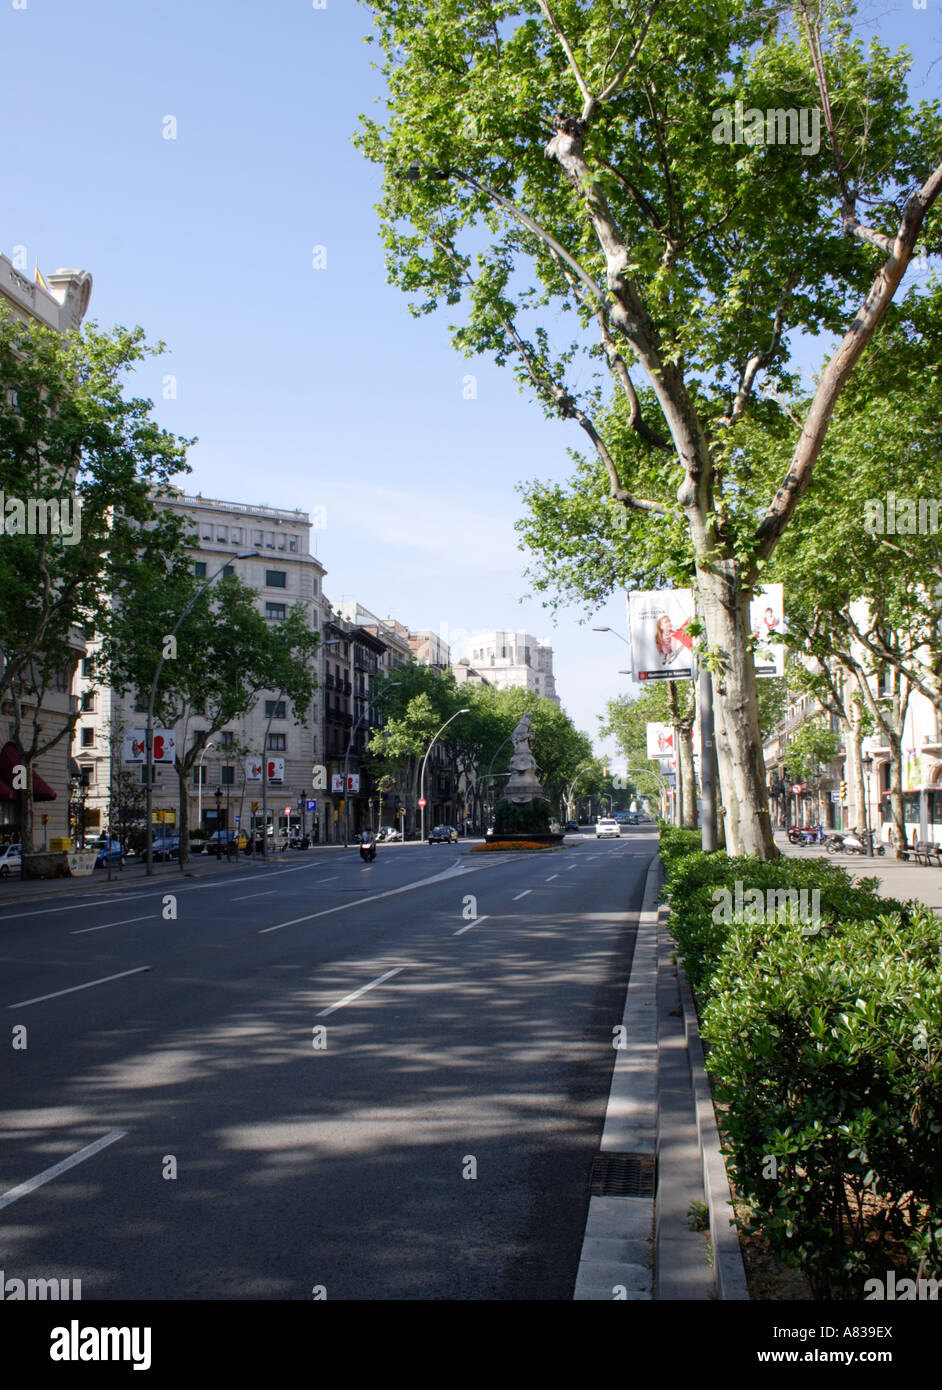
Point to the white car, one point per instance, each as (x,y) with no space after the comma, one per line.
(11,860)
(609,828)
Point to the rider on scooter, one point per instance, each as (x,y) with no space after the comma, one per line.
(367,844)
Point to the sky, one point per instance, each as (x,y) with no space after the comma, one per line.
(249,244)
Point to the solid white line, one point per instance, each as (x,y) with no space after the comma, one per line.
(49,1173)
(374,897)
(523,894)
(267,894)
(551,877)
(149,917)
(471,924)
(59,992)
(349,998)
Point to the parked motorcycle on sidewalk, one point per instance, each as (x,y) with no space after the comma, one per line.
(853,842)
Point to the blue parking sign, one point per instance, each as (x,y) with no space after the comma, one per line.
(311,804)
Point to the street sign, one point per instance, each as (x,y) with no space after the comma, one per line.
(797,788)
(421,800)
(237,820)
(311,804)
(836,796)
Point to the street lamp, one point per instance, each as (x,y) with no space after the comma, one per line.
(149,734)
(346,757)
(867,765)
(199,784)
(218,796)
(424,761)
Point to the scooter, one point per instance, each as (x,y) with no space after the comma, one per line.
(368,851)
(852,842)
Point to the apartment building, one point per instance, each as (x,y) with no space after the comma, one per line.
(513,660)
(283,573)
(59,302)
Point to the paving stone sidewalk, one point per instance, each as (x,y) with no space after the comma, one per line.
(899,878)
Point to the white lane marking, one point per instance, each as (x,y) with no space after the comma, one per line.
(177,885)
(551,877)
(269,892)
(374,897)
(523,894)
(333,878)
(75,988)
(49,1173)
(148,917)
(468,927)
(349,998)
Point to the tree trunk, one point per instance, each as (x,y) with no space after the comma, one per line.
(895,740)
(725,613)
(855,767)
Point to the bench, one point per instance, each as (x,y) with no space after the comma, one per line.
(924,851)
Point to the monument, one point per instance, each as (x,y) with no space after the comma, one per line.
(523,814)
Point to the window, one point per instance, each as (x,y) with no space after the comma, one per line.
(88,775)
(274,709)
(88,738)
(199,775)
(228,571)
(237,535)
(87,666)
(222,533)
(315,585)
(276,742)
(226,738)
(293,544)
(276,579)
(275,612)
(207,530)
(269,540)
(199,569)
(88,701)
(228,776)
(282,541)
(256,537)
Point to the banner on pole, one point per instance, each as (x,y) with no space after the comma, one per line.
(659,622)
(767,623)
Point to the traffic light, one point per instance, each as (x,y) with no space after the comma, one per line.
(843,790)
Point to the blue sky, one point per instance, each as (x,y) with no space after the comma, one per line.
(307,387)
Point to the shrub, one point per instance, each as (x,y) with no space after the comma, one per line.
(526,817)
(828,1049)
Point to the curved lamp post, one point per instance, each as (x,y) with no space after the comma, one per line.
(425,760)
(149,733)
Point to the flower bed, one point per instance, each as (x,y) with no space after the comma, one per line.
(512,844)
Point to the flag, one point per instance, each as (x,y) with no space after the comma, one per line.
(40,281)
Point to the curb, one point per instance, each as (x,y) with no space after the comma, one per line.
(617,1248)
(729,1270)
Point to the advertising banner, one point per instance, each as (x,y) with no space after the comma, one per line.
(660,740)
(767,623)
(659,622)
(135,746)
(353,782)
(275,773)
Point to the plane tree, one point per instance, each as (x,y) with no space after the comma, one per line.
(581,179)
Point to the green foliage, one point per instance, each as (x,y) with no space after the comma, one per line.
(529,816)
(825,1042)
(676,842)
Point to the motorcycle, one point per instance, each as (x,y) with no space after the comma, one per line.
(853,842)
(368,851)
(805,835)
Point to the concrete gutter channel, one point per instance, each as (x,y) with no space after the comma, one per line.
(660,1106)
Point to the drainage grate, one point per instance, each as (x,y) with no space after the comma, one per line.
(622,1175)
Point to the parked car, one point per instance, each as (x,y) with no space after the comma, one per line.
(219,842)
(11,860)
(443,835)
(166,847)
(108,849)
(571,825)
(621,817)
(607,828)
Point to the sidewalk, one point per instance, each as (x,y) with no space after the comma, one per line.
(899,878)
(659,1161)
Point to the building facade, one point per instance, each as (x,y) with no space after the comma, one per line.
(513,660)
(60,303)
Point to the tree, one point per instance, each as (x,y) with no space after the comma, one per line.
(580,158)
(79,462)
(226,654)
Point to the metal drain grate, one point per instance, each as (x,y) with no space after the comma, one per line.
(622,1175)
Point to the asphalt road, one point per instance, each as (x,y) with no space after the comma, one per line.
(431,1141)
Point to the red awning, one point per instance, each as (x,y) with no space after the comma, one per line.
(11,757)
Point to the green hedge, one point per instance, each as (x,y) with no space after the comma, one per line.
(530,816)
(825,1043)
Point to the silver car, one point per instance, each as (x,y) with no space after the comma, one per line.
(607,828)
